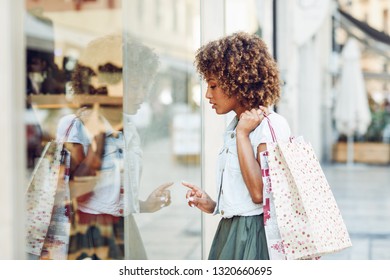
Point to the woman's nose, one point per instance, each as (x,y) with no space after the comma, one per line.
(208,94)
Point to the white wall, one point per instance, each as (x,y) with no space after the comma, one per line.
(213,126)
(12,142)
(303,52)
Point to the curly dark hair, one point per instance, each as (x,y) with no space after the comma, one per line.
(244,68)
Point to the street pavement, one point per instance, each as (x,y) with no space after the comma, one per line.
(363,196)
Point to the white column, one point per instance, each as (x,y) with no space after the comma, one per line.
(303,46)
(314,89)
(212,16)
(310,93)
(287,59)
(327,137)
(12,140)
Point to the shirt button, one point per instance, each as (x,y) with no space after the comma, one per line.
(232,135)
(227,150)
(222,212)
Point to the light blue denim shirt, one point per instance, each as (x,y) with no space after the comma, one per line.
(233,195)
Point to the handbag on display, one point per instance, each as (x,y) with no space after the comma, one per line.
(301,216)
(48,204)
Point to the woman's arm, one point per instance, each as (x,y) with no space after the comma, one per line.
(250,168)
(82,164)
(249,162)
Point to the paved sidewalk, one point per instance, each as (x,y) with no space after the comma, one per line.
(363,195)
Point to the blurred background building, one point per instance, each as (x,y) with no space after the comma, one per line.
(316,44)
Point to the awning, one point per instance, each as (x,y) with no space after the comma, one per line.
(375,40)
(39,33)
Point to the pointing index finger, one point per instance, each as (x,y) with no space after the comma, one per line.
(165,186)
(188,185)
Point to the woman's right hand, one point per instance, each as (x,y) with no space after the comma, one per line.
(198,198)
(250,119)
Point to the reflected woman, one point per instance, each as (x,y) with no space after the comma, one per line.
(105,151)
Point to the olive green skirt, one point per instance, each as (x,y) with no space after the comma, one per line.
(240,238)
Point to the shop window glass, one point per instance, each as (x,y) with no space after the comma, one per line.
(123,99)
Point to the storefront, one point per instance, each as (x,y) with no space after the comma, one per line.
(97,60)
(370,145)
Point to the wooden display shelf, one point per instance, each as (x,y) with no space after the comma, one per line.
(53,101)
(364,152)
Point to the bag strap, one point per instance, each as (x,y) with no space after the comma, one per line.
(63,152)
(69,129)
(270,127)
(291,138)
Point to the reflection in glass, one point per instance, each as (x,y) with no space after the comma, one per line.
(43,74)
(114,194)
(128,123)
(169,123)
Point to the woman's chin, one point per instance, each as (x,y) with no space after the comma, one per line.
(219,112)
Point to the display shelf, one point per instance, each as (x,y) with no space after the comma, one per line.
(53,101)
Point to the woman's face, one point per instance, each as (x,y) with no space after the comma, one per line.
(219,100)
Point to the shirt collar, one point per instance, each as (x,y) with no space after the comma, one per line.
(233,124)
(109,130)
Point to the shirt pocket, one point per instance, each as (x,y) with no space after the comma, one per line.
(233,163)
(109,156)
(221,159)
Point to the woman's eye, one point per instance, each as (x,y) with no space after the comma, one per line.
(213,87)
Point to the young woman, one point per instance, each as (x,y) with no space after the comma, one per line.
(242,77)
